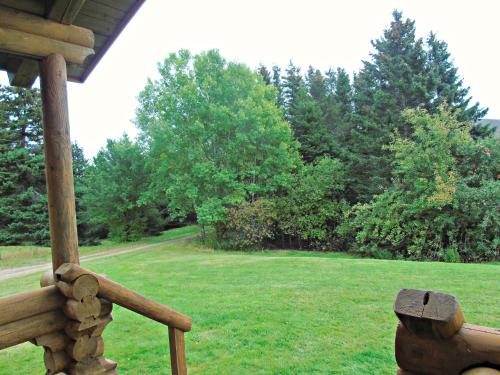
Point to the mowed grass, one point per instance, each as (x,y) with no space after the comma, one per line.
(268,313)
(15,256)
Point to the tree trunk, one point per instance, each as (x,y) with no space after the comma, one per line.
(203,234)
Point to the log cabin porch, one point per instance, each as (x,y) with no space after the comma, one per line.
(60,40)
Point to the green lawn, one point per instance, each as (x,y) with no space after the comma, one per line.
(270,312)
(15,256)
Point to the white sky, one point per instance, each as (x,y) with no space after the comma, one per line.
(324,33)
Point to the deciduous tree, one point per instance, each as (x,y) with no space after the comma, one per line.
(214,134)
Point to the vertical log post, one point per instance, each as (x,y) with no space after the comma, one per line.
(58,161)
(177,351)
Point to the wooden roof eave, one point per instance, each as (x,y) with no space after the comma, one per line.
(105,18)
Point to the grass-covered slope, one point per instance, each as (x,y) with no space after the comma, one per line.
(270,312)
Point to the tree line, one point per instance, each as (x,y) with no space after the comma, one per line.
(390,163)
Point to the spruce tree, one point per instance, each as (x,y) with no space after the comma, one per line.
(23,202)
(316,84)
(446,87)
(397,75)
(293,86)
(304,102)
(89,230)
(338,109)
(265,74)
(276,80)
(400,75)
(23,196)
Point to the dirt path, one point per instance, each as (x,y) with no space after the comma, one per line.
(10,273)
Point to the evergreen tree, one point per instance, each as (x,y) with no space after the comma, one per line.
(265,74)
(276,80)
(443,204)
(89,231)
(338,109)
(397,76)
(316,84)
(446,87)
(403,73)
(118,183)
(395,79)
(23,201)
(23,196)
(303,107)
(292,87)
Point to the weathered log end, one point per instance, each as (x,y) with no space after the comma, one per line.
(432,338)
(429,314)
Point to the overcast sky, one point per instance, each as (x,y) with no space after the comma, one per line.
(324,33)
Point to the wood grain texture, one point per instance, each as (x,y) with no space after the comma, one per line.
(28,329)
(428,313)
(129,299)
(55,361)
(106,307)
(470,346)
(55,341)
(31,6)
(30,45)
(83,286)
(82,348)
(404,372)
(47,278)
(58,162)
(21,21)
(103,322)
(94,366)
(87,308)
(76,329)
(65,11)
(177,351)
(99,351)
(31,303)
(25,75)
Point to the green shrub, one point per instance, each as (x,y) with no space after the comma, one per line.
(313,207)
(444,201)
(248,226)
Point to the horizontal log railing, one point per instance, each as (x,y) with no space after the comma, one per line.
(25,316)
(121,295)
(27,304)
(68,315)
(116,293)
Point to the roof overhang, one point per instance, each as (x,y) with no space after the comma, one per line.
(104,18)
